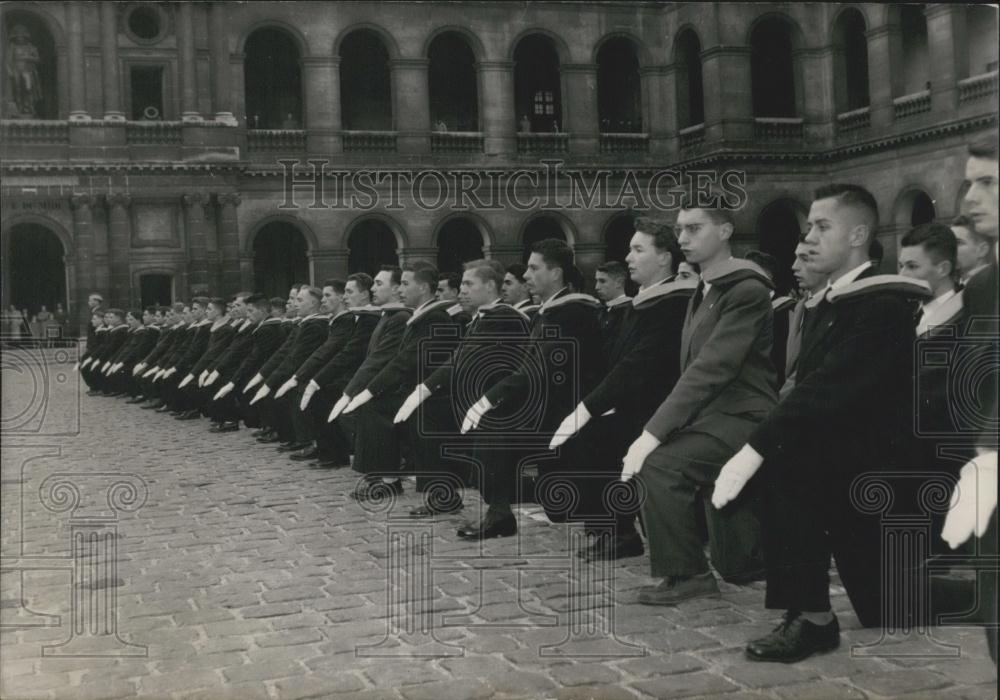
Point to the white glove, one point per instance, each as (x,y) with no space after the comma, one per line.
(307,394)
(187,380)
(211,379)
(261,393)
(151,371)
(973,502)
(571,425)
(475,414)
(169,372)
(637,453)
(106,366)
(735,474)
(116,367)
(223,391)
(138,368)
(359,400)
(338,407)
(76,366)
(416,397)
(83,365)
(202,377)
(286,387)
(257,379)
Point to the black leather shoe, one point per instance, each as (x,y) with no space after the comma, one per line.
(429,511)
(136,399)
(190,415)
(260,432)
(165,408)
(152,403)
(268,438)
(489,528)
(305,454)
(607,547)
(795,639)
(328,464)
(95,392)
(376,490)
(228,426)
(293,446)
(676,589)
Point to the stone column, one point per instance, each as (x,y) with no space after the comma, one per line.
(229,243)
(83,237)
(321,78)
(246,272)
(188,71)
(587,257)
(506,254)
(814,78)
(77,74)
(496,85)
(326,264)
(111,82)
(728,98)
(194,209)
(413,253)
(882,41)
(579,106)
(237,96)
(411,105)
(943,21)
(220,64)
(658,89)
(119,228)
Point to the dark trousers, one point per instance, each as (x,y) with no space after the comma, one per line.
(678,479)
(378,443)
(333,440)
(436,448)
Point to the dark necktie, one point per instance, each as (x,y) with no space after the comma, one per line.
(699,295)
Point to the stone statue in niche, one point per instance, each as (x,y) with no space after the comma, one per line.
(24,88)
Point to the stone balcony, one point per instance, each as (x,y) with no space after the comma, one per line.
(854,120)
(542,144)
(456,142)
(624,143)
(977,87)
(369,141)
(911,105)
(778,129)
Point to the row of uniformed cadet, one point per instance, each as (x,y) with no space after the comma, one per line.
(692,385)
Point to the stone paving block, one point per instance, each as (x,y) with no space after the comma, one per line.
(262,671)
(760,675)
(900,682)
(819,690)
(289,638)
(236,627)
(235,691)
(186,680)
(656,664)
(403,672)
(269,610)
(584,674)
(103,689)
(466,689)
(316,686)
(593,692)
(685,685)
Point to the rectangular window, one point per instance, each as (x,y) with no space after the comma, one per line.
(147,92)
(544,102)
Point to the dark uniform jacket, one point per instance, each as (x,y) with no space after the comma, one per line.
(219,337)
(335,374)
(237,349)
(311,333)
(264,342)
(289,329)
(338,333)
(382,346)
(196,347)
(612,317)
(400,373)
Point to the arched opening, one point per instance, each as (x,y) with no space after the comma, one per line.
(779,227)
(35,269)
(913,73)
(452,84)
(371,245)
(690,93)
(280,258)
(619,89)
(617,236)
(537,91)
(458,242)
(156,288)
(29,68)
(921,209)
(772,69)
(850,62)
(365,83)
(540,228)
(981,39)
(272,81)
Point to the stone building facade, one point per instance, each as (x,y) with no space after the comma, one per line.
(148,147)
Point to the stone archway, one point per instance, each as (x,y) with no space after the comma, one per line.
(34,269)
(280,258)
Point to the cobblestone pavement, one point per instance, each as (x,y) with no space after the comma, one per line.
(228,571)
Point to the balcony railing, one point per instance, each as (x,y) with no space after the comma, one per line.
(977,87)
(153,133)
(542,143)
(624,143)
(854,120)
(909,105)
(691,135)
(369,141)
(25,131)
(778,128)
(285,140)
(456,142)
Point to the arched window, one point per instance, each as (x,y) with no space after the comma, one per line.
(772,71)
(540,228)
(29,68)
(34,268)
(365,83)
(619,89)
(922,209)
(537,91)
(778,229)
(690,93)
(458,242)
(280,258)
(452,82)
(617,236)
(371,244)
(850,62)
(273,81)
(913,73)
(981,39)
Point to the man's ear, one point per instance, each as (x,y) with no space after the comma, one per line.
(727,231)
(861,236)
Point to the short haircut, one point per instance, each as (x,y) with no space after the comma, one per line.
(338,285)
(614,270)
(937,240)
(95,295)
(219,303)
(314,292)
(362,280)
(718,215)
(984,148)
(853,196)
(202,301)
(299,285)
(242,295)
(487,271)
(116,312)
(163,309)
(555,253)
(152,309)
(178,306)
(278,303)
(258,300)
(453,279)
(664,238)
(397,274)
(765,261)
(517,270)
(966,223)
(423,273)
(135,313)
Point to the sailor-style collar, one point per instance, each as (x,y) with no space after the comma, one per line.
(121,325)
(271,320)
(664,289)
(427,307)
(813,300)
(782,303)
(947,307)
(342,312)
(735,270)
(618,301)
(324,317)
(243,325)
(455,309)
(219,324)
(202,322)
(574,298)
(523,304)
(917,289)
(497,304)
(101,329)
